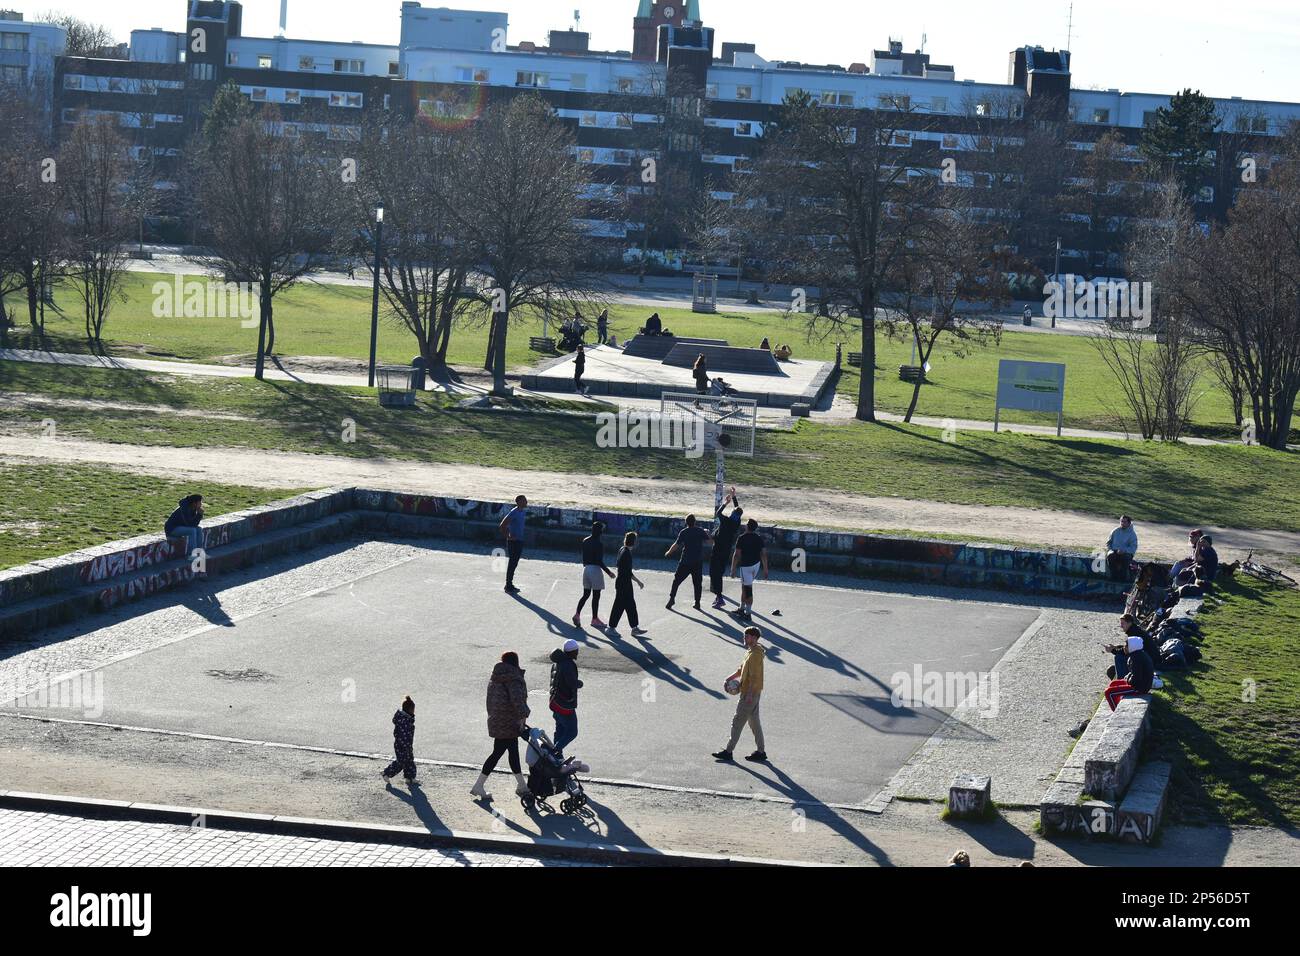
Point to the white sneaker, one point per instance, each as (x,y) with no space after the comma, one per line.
(479,788)
(521,786)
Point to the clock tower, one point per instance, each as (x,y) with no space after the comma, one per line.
(653,14)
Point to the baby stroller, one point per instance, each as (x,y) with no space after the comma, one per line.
(571,335)
(719,386)
(549,773)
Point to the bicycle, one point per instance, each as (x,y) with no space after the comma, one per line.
(1264,573)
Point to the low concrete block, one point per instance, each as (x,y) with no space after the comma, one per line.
(970,795)
(1139,814)
(1112,763)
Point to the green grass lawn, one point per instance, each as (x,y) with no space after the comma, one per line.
(47,509)
(1227,485)
(333,320)
(1231,725)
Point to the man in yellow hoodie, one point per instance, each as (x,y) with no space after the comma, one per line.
(751,689)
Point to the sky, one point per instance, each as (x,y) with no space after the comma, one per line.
(1247,48)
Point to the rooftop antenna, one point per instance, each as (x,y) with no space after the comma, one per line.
(923,39)
(1069,28)
(577,20)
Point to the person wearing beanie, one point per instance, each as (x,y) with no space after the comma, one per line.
(750,676)
(403,743)
(507,716)
(564,693)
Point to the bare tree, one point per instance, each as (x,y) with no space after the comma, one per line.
(840,201)
(1244,293)
(83,37)
(948,284)
(424,276)
(1157,374)
(94,166)
(517,214)
(272,204)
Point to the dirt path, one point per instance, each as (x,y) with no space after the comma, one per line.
(828,509)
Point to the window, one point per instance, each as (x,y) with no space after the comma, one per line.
(587,119)
(345,133)
(939,104)
(232,59)
(69,116)
(950,141)
(744,92)
(306,63)
(622,157)
(711,91)
(1149,118)
(264,61)
(1100,116)
(900,138)
(293,96)
(13,41)
(586,155)
(394,68)
(71,82)
(349,66)
(744,129)
(623,121)
(529,78)
(685,143)
(289,129)
(895,101)
(984,108)
(625,84)
(387,98)
(259,94)
(1259,124)
(345,99)
(202,71)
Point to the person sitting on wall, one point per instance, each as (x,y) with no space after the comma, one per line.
(1121,546)
(765,345)
(783,353)
(653,325)
(1193,540)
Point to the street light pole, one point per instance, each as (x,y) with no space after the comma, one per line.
(1056,277)
(374,302)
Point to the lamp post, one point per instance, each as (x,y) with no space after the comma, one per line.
(374,302)
(1057,276)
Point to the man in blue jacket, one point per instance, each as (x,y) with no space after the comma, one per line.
(184,523)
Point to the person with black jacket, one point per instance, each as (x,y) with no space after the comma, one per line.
(624,597)
(403,743)
(184,523)
(594,573)
(724,538)
(579,366)
(564,693)
(690,542)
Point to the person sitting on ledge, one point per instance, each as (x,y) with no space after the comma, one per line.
(765,345)
(783,353)
(653,325)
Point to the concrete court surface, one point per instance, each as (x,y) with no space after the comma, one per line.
(329,668)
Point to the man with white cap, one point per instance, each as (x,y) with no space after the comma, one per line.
(564,693)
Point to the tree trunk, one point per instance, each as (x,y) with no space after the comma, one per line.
(31,280)
(499,353)
(867,380)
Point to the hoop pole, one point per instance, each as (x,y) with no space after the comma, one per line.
(719,479)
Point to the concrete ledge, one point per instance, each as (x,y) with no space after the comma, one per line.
(1061,809)
(607,853)
(1112,763)
(1141,810)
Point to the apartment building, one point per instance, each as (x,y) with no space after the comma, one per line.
(448,64)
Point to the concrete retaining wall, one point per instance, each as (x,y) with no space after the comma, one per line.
(57,589)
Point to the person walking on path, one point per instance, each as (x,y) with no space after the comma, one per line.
(724,538)
(690,542)
(564,693)
(579,366)
(750,558)
(701,372)
(594,573)
(512,526)
(184,523)
(403,743)
(602,327)
(507,716)
(750,676)
(624,597)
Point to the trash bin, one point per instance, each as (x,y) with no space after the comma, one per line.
(395,388)
(418,369)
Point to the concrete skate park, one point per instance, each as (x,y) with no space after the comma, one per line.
(647,366)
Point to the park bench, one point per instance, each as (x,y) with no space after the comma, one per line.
(541,343)
(855,359)
(911,373)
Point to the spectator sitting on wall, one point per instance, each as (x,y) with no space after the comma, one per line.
(1207,559)
(1181,565)
(1128,624)
(1121,546)
(765,345)
(653,325)
(1138,676)
(783,353)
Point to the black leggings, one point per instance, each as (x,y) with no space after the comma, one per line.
(509,745)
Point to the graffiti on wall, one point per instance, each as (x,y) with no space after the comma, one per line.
(124,562)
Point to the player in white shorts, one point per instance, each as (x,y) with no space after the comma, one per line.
(750,558)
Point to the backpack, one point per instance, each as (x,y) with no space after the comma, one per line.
(1173,653)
